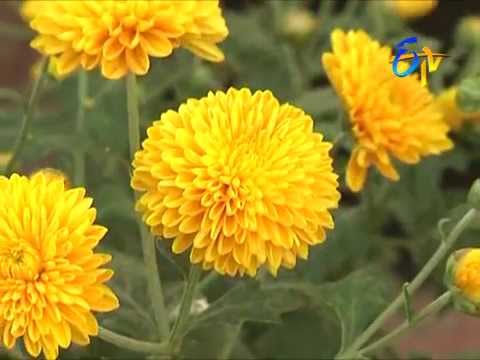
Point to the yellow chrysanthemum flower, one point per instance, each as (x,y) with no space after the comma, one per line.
(50,278)
(389,115)
(467,274)
(452,114)
(120,36)
(238,179)
(410,9)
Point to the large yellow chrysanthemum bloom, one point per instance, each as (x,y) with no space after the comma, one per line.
(389,115)
(411,9)
(120,36)
(238,179)
(452,114)
(50,278)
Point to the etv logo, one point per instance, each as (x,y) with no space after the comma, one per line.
(402,54)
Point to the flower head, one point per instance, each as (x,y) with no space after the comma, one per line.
(389,116)
(411,9)
(452,114)
(50,278)
(239,180)
(121,36)
(462,277)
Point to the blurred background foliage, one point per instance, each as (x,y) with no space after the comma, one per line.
(381,238)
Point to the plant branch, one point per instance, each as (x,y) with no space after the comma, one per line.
(26,119)
(148,243)
(430,309)
(439,254)
(179,328)
(125,342)
(79,153)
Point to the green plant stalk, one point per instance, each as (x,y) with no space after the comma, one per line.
(79,154)
(125,342)
(181,323)
(26,119)
(439,254)
(148,245)
(432,308)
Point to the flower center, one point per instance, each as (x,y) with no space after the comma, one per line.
(19,261)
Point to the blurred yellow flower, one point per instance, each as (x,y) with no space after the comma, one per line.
(120,36)
(410,9)
(299,23)
(452,114)
(467,274)
(50,278)
(389,116)
(468,31)
(239,179)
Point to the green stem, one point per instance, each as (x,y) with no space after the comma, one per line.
(439,254)
(181,323)
(148,244)
(79,153)
(430,309)
(125,342)
(26,119)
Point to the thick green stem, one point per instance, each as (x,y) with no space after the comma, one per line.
(430,309)
(148,244)
(79,154)
(26,119)
(125,342)
(181,323)
(442,250)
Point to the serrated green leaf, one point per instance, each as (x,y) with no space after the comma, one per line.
(250,301)
(357,300)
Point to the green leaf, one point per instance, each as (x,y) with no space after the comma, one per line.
(250,301)
(304,334)
(469,94)
(357,300)
(318,101)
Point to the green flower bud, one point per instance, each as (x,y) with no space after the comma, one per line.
(299,23)
(474,195)
(462,277)
(468,31)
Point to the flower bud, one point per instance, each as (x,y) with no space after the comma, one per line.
(299,23)
(462,277)
(474,195)
(468,31)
